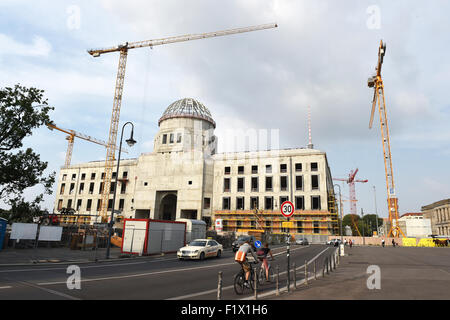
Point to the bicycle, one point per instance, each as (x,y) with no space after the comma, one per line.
(239,280)
(262,273)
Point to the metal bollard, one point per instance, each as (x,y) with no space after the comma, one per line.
(315,275)
(219,286)
(295,277)
(278,281)
(255,281)
(306,272)
(323,269)
(328,265)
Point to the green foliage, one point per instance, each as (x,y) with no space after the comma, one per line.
(21,110)
(366,225)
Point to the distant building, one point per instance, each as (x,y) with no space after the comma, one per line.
(414,225)
(185,177)
(439,214)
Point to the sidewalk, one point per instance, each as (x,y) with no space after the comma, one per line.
(10,256)
(406,273)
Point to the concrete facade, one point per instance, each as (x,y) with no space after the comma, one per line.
(439,214)
(184,177)
(415,226)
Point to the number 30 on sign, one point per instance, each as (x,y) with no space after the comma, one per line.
(287,209)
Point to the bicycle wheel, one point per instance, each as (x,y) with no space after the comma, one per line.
(271,276)
(239,283)
(262,276)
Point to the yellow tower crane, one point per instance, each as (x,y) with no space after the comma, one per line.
(376,82)
(123,49)
(71,134)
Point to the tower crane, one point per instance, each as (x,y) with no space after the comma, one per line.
(351,185)
(71,134)
(376,82)
(123,50)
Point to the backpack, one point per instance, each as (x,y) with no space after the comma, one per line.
(240,256)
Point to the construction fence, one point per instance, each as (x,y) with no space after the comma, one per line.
(404,242)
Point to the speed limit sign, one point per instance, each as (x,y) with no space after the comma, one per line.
(287,209)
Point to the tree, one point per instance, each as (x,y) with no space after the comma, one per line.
(21,110)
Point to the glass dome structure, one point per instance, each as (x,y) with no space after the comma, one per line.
(187,108)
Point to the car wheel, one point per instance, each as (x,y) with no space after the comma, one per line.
(202,256)
(219,253)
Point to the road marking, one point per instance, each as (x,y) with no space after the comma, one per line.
(6,287)
(149,273)
(188,296)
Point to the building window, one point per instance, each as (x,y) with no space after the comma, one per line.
(314,166)
(103,175)
(64,177)
(315,203)
(240,203)
(69,204)
(110,204)
(283,183)
(123,188)
(255,186)
(316,227)
(63,188)
(269,184)
(121,204)
(114,175)
(178,137)
(241,169)
(298,167)
(81,188)
(74,176)
(299,203)
(100,189)
(226,203)
(283,168)
(299,226)
(254,169)
(314,182)
(93,176)
(72,188)
(125,175)
(268,203)
(112,187)
(207,203)
(254,203)
(89,205)
(79,204)
(164,139)
(226,185)
(238,223)
(99,204)
(268,168)
(83,176)
(172,137)
(241,184)
(60,204)
(283,199)
(227,170)
(91,187)
(298,182)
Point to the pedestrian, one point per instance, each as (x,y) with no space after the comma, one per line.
(345,242)
(393,243)
(382,242)
(350,243)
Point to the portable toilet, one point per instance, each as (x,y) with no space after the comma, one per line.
(195,229)
(3,224)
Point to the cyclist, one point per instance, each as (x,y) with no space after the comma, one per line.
(241,258)
(262,256)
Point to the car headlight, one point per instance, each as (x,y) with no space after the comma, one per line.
(196,251)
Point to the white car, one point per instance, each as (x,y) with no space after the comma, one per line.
(200,249)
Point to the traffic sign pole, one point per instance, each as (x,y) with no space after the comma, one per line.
(287,210)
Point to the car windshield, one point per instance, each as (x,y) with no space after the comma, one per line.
(243,238)
(198,243)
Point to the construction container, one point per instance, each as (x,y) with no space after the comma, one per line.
(148,236)
(3,224)
(195,229)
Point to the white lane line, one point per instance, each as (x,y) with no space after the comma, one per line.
(188,296)
(6,287)
(151,273)
(49,291)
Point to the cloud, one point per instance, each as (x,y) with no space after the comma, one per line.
(39,47)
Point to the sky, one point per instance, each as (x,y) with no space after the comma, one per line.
(321,55)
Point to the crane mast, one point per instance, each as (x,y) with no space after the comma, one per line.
(376,82)
(123,49)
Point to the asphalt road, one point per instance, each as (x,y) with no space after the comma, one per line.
(156,278)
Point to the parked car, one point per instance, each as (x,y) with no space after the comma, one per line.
(241,239)
(334,242)
(302,241)
(200,249)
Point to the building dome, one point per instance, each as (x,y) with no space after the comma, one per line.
(187,108)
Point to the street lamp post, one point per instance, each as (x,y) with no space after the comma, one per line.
(340,210)
(376,211)
(131,142)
